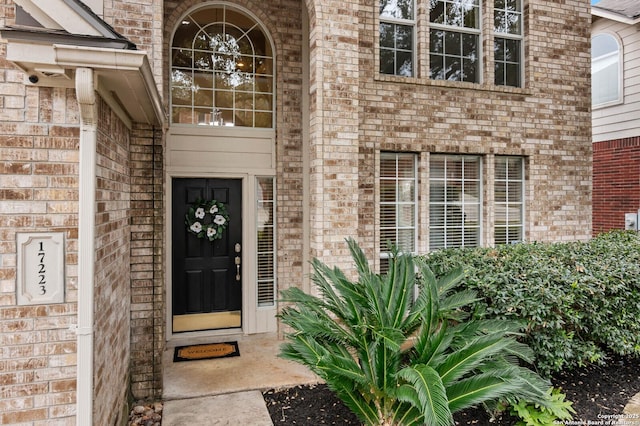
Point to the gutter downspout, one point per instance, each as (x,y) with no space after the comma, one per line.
(86,96)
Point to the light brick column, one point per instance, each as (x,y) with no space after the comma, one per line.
(334,120)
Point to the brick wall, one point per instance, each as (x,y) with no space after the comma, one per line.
(616,182)
(112,281)
(547,122)
(38,192)
(147,251)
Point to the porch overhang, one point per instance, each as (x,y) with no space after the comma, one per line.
(50,58)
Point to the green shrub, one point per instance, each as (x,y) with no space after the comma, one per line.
(580,300)
(396,360)
(532,414)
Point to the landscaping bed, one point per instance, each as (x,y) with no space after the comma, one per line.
(596,392)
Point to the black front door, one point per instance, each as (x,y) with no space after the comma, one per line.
(206,275)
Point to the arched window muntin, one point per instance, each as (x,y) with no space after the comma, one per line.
(606,70)
(222,69)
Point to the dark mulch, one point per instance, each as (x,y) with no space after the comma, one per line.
(595,391)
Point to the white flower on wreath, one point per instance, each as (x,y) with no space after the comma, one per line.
(219,220)
(214,209)
(200,213)
(211,231)
(196,227)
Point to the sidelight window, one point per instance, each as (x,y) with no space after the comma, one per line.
(265,227)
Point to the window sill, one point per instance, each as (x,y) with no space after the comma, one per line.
(460,85)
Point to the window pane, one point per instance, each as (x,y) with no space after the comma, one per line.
(387,35)
(508,16)
(605,69)
(400,9)
(398,199)
(405,64)
(507,62)
(457,13)
(265,210)
(396,39)
(454,201)
(404,37)
(453,44)
(460,62)
(509,200)
(387,61)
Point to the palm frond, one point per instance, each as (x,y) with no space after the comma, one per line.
(467,359)
(477,389)
(425,390)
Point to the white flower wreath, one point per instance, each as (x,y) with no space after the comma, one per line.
(207,219)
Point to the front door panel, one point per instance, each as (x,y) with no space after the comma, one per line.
(206,275)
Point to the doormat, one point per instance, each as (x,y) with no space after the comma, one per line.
(206,351)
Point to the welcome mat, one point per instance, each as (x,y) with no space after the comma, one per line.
(206,351)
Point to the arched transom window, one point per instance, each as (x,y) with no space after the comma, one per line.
(221,70)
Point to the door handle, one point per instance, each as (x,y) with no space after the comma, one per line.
(238,261)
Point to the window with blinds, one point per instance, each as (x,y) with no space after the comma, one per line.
(455,205)
(265,228)
(509,200)
(398,202)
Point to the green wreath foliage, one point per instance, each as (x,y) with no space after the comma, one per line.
(207,219)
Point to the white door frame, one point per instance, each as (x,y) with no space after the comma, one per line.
(254,159)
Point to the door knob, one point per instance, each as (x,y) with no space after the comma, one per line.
(238,261)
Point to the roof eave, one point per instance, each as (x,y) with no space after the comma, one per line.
(607,14)
(125,77)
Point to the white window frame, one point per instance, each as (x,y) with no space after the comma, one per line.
(620,72)
(446,204)
(214,114)
(463,30)
(384,19)
(519,37)
(508,201)
(262,285)
(384,253)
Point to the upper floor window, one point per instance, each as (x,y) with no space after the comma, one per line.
(508,42)
(454,45)
(606,71)
(397,37)
(221,70)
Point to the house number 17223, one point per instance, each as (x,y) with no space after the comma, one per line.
(42,271)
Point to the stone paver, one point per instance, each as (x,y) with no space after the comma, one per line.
(242,408)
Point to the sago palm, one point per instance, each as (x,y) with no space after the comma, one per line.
(396,359)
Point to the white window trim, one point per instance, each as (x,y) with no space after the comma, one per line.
(466,30)
(481,209)
(620,54)
(413,23)
(385,254)
(499,34)
(506,204)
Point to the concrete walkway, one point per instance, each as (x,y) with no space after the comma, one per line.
(227,391)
